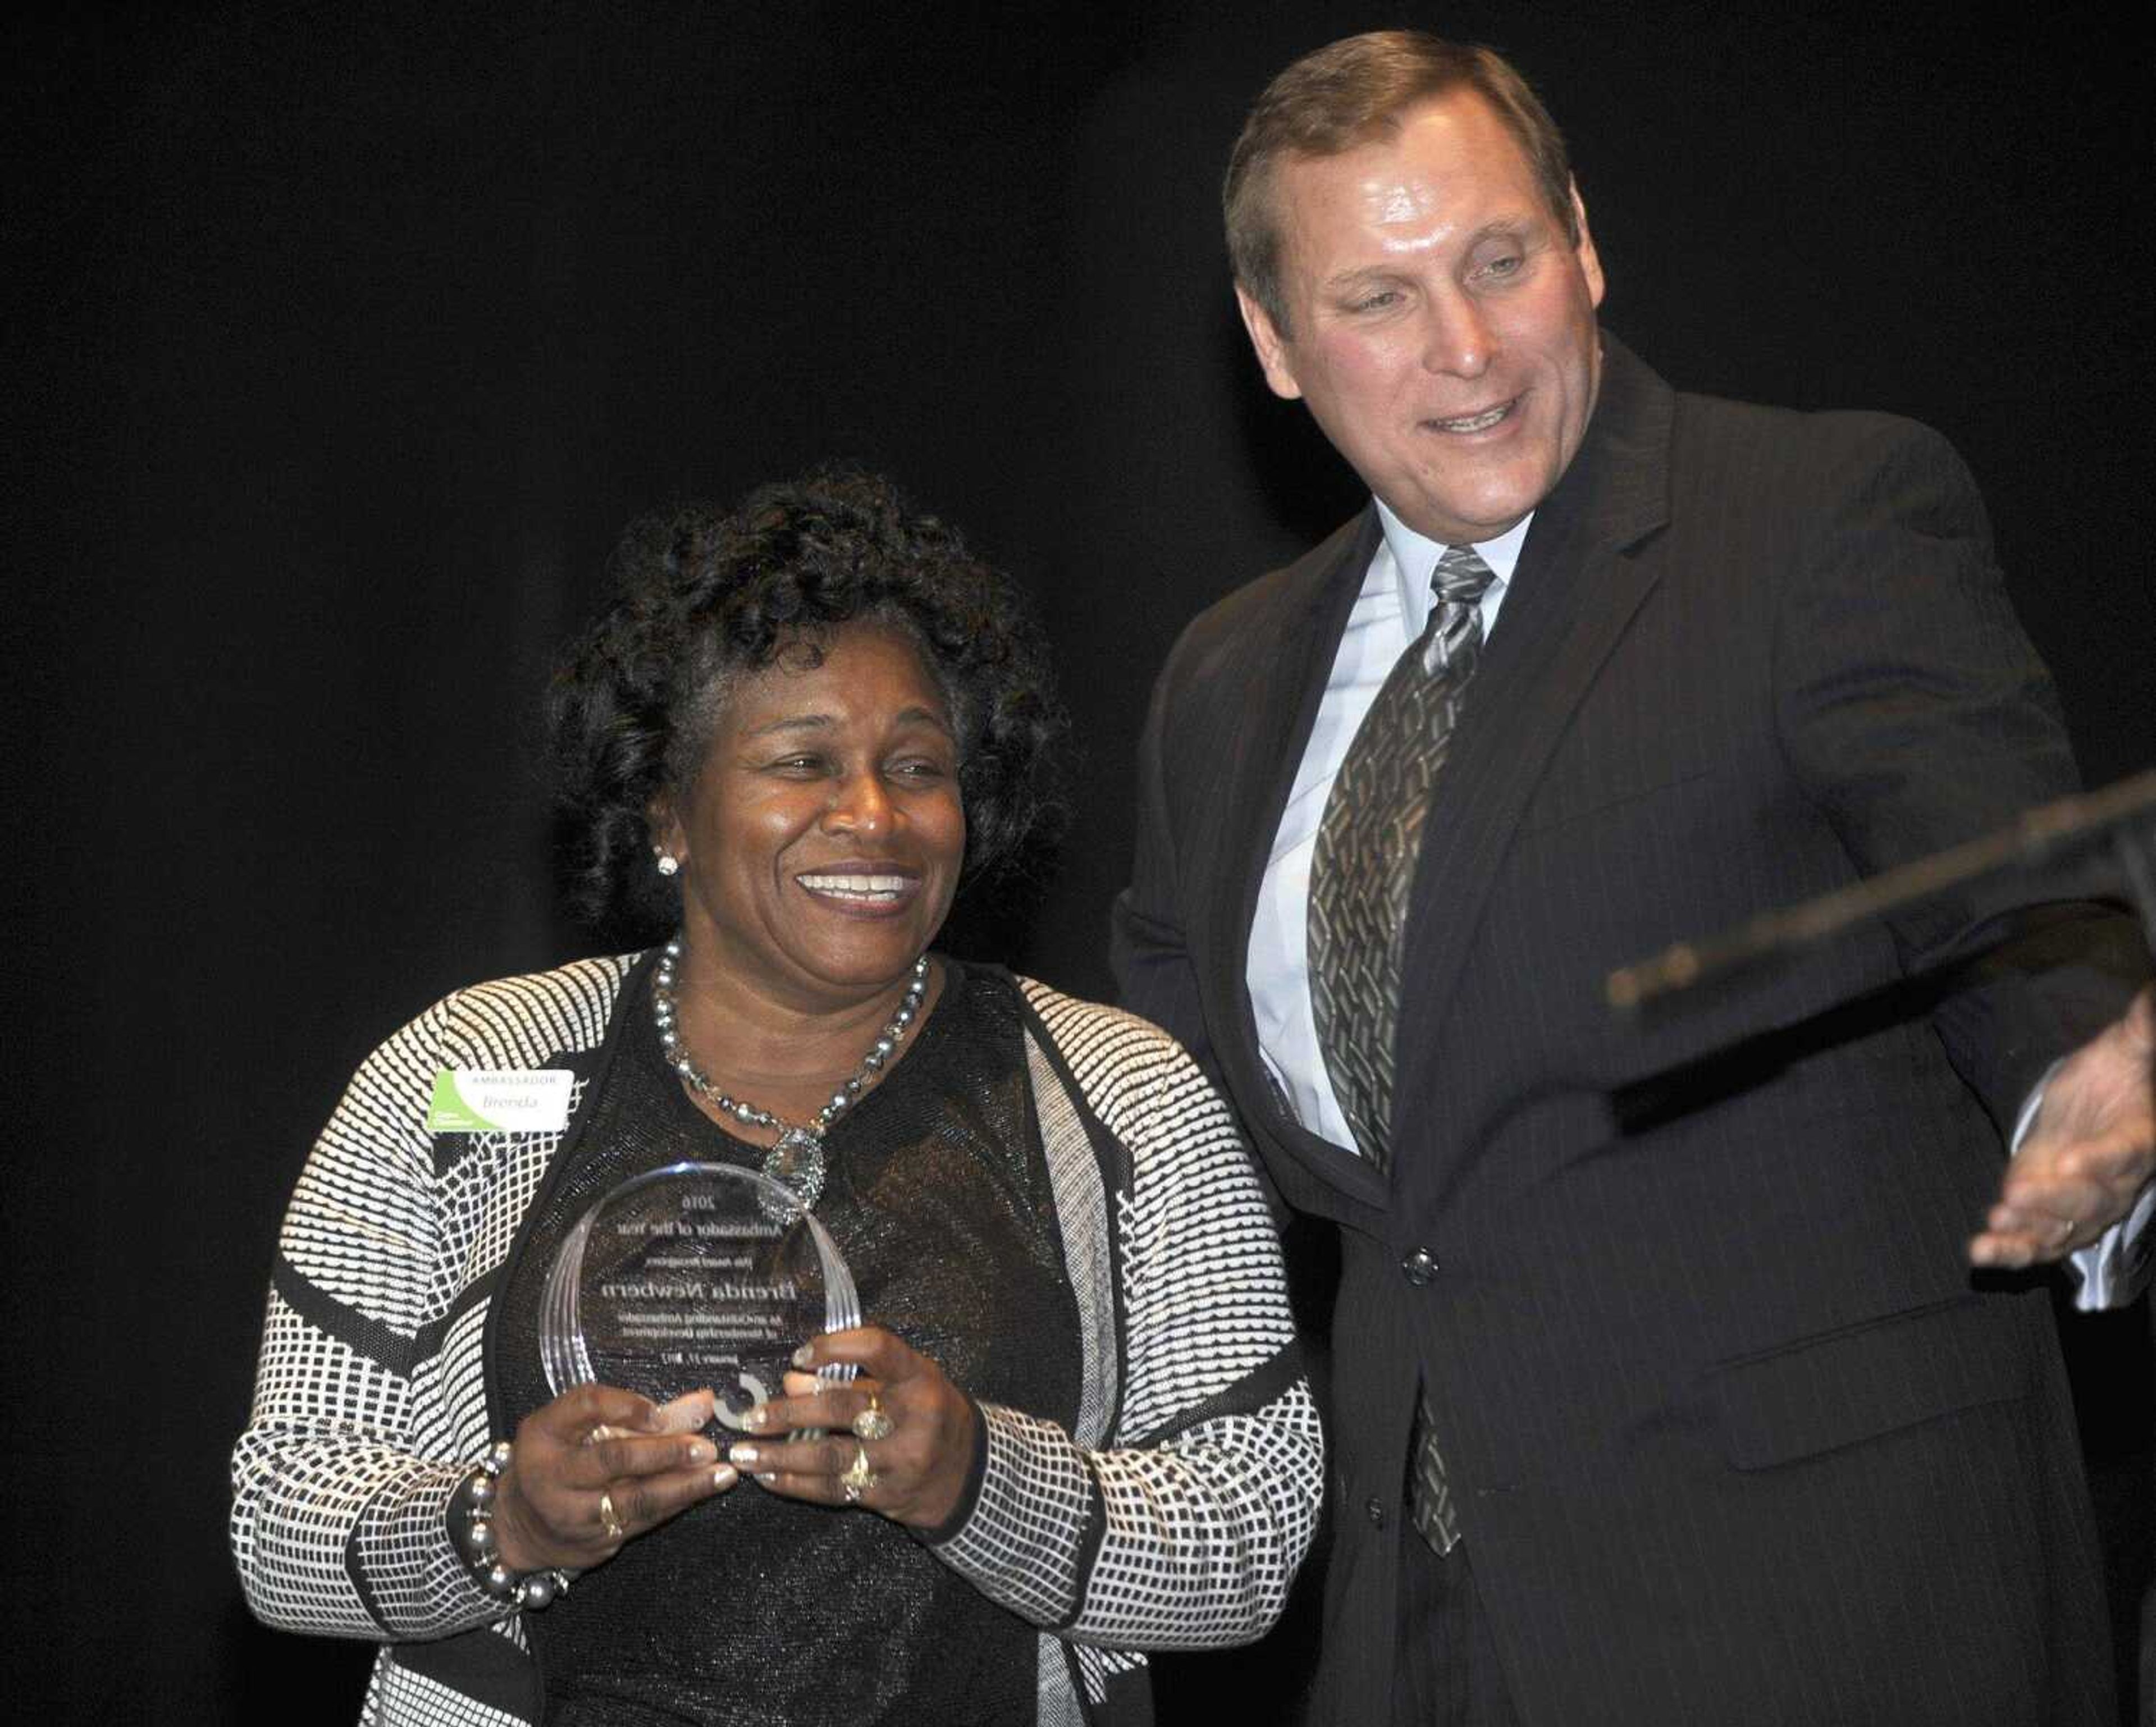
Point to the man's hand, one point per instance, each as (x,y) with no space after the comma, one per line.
(2091,1150)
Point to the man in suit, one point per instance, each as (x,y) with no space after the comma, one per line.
(1669,1403)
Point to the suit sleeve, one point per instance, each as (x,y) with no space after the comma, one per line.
(1156,977)
(1916,715)
(1185,1528)
(339,1509)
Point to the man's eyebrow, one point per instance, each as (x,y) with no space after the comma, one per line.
(1519,228)
(1362,273)
(1509,228)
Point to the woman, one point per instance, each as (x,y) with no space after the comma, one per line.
(1079,1430)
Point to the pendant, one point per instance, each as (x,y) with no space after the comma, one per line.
(797,1161)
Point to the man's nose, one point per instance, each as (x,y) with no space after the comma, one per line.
(1457,339)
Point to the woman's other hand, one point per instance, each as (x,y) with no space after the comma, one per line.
(914,1473)
(598,1466)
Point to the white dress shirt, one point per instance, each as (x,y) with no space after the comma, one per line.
(1389,614)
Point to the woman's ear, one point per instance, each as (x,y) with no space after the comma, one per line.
(669,843)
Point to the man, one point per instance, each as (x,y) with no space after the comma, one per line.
(1681,1403)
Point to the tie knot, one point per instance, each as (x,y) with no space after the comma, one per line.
(1460,576)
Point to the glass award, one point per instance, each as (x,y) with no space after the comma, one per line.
(694,1275)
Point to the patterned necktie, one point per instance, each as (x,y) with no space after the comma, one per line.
(1360,874)
(1367,842)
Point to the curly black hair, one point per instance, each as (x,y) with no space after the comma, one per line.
(703,595)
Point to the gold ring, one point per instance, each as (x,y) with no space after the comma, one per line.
(609,1520)
(872,1423)
(859,1478)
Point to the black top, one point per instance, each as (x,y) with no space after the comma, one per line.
(750,1608)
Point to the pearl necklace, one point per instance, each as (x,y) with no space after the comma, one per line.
(797,1159)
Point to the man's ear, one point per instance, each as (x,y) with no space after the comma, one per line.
(1590,262)
(1275,351)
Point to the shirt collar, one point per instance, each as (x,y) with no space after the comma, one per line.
(1415,557)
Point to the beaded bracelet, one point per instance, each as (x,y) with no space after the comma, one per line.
(472,1533)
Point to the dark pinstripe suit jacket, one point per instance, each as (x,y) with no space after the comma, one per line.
(1738,1436)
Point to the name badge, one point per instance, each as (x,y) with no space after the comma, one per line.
(494,1100)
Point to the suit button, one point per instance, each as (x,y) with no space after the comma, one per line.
(1375,1511)
(1419,1267)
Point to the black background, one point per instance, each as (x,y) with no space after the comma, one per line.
(342,339)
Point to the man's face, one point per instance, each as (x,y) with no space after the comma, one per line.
(1443,330)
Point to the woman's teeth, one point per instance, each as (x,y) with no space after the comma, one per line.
(861,887)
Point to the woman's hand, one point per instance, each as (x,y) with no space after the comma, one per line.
(914,1474)
(598,1466)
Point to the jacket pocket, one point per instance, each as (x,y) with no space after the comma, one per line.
(1844,1387)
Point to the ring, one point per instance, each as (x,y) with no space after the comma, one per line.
(609,1520)
(859,1478)
(872,1423)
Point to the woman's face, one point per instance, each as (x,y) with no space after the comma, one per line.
(821,840)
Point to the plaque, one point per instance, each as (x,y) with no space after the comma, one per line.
(694,1275)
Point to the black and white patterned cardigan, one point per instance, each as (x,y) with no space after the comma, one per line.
(1174,1516)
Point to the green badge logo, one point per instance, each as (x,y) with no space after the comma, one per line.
(449,1113)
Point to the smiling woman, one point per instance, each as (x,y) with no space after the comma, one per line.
(798,726)
(707,598)
(819,843)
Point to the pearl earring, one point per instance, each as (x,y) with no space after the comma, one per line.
(667,863)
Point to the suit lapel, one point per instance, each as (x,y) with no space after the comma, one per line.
(1287,686)
(1576,588)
